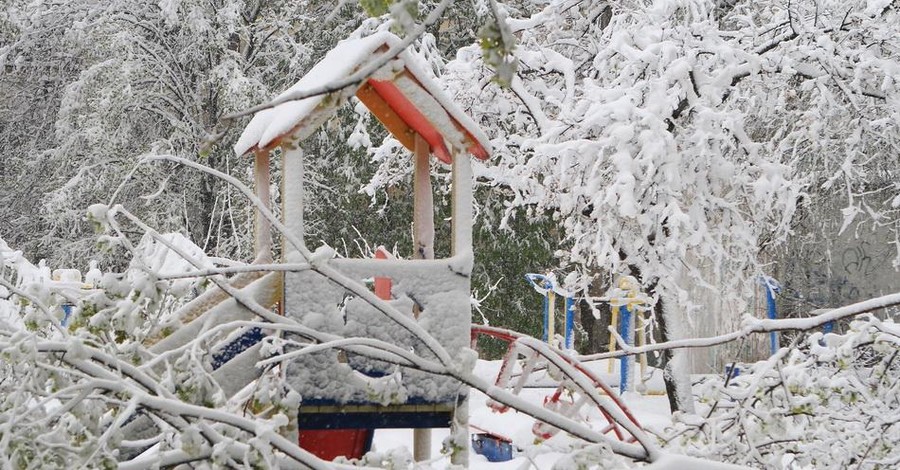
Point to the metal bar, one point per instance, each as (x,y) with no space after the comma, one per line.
(626,363)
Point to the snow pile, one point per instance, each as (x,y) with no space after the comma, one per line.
(158,257)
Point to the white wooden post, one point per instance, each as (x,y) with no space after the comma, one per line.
(263,232)
(461,193)
(461,244)
(423,202)
(423,247)
(292,198)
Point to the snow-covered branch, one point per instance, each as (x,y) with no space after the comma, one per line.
(754,326)
(356,78)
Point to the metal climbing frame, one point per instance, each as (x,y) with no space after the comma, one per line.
(578,390)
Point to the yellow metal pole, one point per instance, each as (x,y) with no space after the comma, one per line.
(640,340)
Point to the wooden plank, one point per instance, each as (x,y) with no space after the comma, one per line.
(386,115)
(263,229)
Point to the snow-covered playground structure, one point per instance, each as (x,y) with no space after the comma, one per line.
(421,294)
(366,326)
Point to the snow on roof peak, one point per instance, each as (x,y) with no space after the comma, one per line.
(449,125)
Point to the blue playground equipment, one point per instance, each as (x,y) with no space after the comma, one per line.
(771,287)
(626,363)
(547,287)
(628,321)
(625,312)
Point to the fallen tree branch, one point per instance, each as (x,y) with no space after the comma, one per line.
(755,325)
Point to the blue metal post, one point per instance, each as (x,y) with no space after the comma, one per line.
(546,318)
(570,323)
(626,331)
(543,285)
(771,288)
(67,315)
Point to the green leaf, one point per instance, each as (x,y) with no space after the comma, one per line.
(375,8)
(497,45)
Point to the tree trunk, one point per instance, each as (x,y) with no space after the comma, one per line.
(676,373)
(597,335)
(674,362)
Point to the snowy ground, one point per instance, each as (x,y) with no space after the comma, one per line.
(651,410)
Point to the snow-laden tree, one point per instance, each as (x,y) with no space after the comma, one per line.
(677,140)
(91,85)
(824,402)
(646,133)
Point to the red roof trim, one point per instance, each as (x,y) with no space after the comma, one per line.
(414,118)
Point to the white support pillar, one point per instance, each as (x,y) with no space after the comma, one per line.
(292,198)
(423,246)
(423,202)
(462,204)
(263,229)
(461,244)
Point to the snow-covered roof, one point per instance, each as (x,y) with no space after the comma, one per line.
(405,98)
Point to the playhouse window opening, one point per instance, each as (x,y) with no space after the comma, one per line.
(355,224)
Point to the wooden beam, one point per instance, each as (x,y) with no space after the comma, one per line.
(386,115)
(462,201)
(292,198)
(423,202)
(423,245)
(263,229)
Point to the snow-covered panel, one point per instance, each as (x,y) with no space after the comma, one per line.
(433,287)
(346,58)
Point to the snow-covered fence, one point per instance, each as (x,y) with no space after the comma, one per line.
(14,271)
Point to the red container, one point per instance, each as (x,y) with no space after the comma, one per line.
(332,443)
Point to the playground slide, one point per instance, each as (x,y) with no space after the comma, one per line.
(239,369)
(266,291)
(207,300)
(234,360)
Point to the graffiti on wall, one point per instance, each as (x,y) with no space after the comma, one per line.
(841,272)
